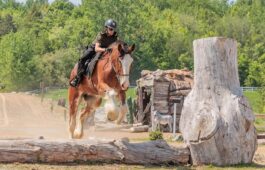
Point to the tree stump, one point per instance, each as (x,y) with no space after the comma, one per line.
(217,120)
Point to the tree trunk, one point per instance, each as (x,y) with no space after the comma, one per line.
(107,151)
(216,120)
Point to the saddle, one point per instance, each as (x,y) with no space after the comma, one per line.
(90,64)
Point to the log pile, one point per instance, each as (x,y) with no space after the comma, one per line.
(105,151)
(159,90)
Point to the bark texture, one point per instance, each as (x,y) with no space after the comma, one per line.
(107,151)
(216,120)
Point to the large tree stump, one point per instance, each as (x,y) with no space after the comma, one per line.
(107,151)
(216,120)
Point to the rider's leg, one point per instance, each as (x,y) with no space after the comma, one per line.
(88,55)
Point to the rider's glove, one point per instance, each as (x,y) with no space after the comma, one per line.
(108,50)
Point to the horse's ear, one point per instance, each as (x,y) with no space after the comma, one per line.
(132,48)
(120,47)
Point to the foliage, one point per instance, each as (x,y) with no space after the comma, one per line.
(42,42)
(155,135)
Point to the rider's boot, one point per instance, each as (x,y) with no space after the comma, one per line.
(77,79)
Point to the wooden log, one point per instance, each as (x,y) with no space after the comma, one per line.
(105,151)
(161,110)
(217,122)
(140,115)
(179,93)
(143,128)
(261,136)
(161,106)
(161,90)
(137,124)
(157,98)
(179,85)
(161,94)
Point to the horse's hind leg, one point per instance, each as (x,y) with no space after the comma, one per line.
(74,98)
(91,105)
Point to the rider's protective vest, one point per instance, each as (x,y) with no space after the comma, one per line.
(104,40)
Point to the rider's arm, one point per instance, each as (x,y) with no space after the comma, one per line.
(98,48)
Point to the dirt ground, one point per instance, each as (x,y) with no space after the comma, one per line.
(25,116)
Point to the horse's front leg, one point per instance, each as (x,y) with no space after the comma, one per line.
(74,99)
(123,108)
(91,105)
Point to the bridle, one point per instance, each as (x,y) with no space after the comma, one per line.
(117,74)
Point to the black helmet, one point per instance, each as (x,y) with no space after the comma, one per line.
(111,23)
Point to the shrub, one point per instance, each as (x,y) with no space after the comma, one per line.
(155,135)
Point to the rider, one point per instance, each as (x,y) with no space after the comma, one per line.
(99,45)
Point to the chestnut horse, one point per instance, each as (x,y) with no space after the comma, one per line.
(110,79)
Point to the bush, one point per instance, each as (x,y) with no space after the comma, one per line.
(155,135)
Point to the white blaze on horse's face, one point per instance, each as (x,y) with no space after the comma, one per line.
(126,65)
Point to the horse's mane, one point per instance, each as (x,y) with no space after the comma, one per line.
(116,43)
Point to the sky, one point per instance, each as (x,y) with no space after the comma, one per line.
(76,2)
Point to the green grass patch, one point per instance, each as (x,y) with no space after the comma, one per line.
(56,94)
(131,92)
(255,100)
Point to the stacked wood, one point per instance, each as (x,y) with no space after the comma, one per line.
(167,87)
(105,151)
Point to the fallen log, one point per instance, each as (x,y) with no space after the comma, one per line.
(143,128)
(104,151)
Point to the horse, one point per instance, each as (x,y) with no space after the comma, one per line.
(110,78)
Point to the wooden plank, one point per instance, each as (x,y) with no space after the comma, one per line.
(161,98)
(161,110)
(260,115)
(261,136)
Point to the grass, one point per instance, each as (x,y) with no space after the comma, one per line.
(255,100)
(56,94)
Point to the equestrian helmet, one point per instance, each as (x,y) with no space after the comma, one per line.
(111,23)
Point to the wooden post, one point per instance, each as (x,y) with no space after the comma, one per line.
(174,120)
(42,90)
(65,115)
(217,122)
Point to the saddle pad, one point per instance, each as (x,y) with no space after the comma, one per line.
(91,65)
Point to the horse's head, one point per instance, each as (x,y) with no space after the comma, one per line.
(121,62)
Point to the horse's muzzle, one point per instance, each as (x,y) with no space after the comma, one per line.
(125,86)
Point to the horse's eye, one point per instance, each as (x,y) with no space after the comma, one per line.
(122,57)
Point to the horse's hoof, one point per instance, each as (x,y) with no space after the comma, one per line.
(118,122)
(78,135)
